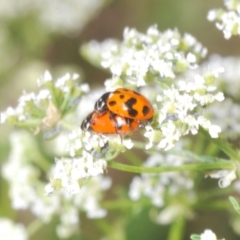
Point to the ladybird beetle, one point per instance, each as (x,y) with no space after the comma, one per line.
(126,103)
(109,123)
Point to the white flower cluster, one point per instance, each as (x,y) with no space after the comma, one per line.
(178,111)
(56,15)
(229,78)
(27,190)
(225,177)
(157,186)
(70,174)
(83,143)
(12,231)
(228,118)
(144,58)
(227,21)
(88,153)
(43,110)
(209,235)
(156,59)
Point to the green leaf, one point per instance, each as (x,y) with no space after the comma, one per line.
(235,204)
(195,237)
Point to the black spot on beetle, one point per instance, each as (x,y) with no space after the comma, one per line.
(145,110)
(132,112)
(121,96)
(112,103)
(129,104)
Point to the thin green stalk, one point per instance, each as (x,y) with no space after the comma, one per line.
(64,105)
(177,229)
(189,167)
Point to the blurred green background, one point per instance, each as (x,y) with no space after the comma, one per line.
(28,47)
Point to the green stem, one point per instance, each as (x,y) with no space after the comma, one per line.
(189,167)
(177,229)
(64,105)
(54,94)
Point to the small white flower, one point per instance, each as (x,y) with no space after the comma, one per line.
(135,188)
(98,213)
(227,180)
(225,177)
(208,235)
(46,77)
(61,82)
(8,113)
(219,97)
(170,136)
(75,144)
(43,94)
(191,58)
(168,214)
(49,189)
(212,15)
(12,231)
(84,87)
(93,141)
(70,173)
(128,143)
(214,130)
(66,230)
(227,21)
